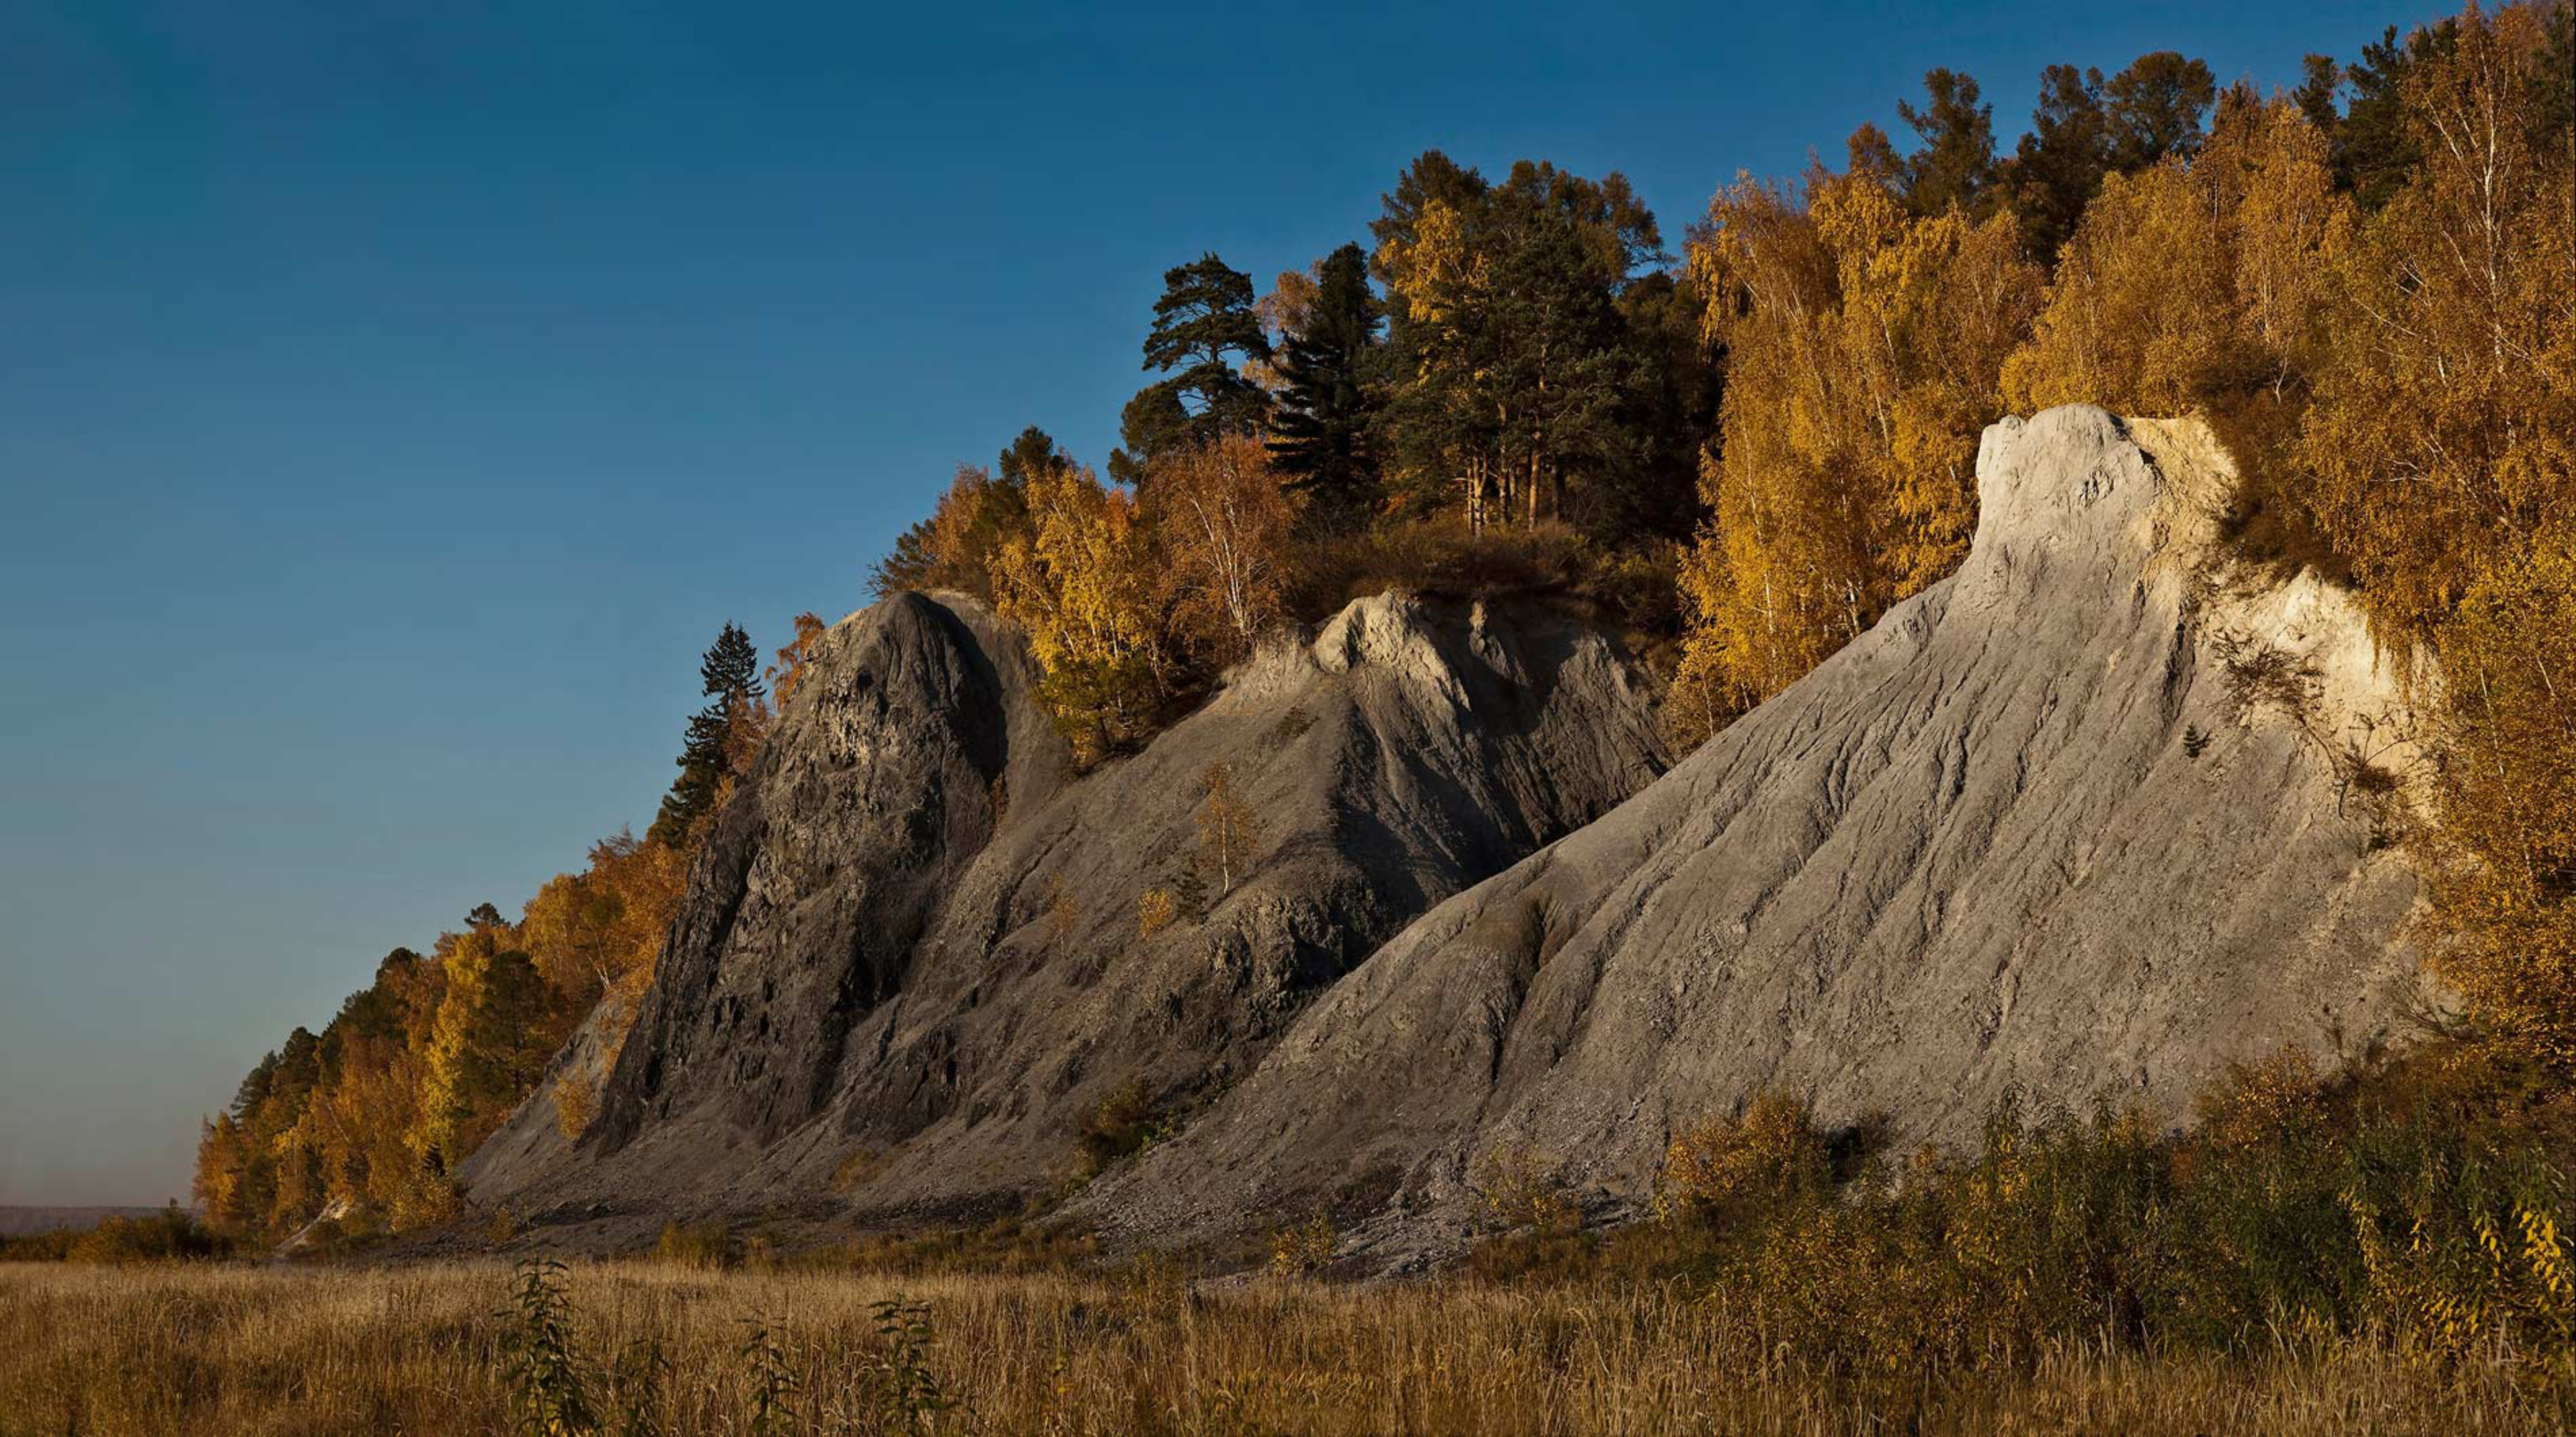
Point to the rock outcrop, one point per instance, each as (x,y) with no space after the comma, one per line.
(2084,819)
(2097,815)
(917,949)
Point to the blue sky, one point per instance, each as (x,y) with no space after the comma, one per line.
(395,399)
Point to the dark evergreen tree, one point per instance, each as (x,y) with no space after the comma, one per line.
(1872,155)
(1956,163)
(2374,145)
(1033,451)
(730,673)
(1670,413)
(2056,170)
(1204,328)
(2555,109)
(1154,421)
(1320,435)
(2320,81)
(254,1086)
(2155,108)
(1515,354)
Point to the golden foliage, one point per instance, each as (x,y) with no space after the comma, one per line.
(1229,830)
(1518,1188)
(2442,450)
(576,1104)
(601,929)
(2257,1103)
(2443,437)
(1081,582)
(1155,910)
(2195,277)
(2505,895)
(2140,310)
(1303,1250)
(1863,351)
(1726,1166)
(792,658)
(1223,524)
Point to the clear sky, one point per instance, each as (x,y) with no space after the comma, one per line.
(394,399)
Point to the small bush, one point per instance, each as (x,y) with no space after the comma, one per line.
(857,1168)
(1304,1250)
(1726,1167)
(1125,1121)
(1155,911)
(1518,1188)
(576,1104)
(1062,910)
(707,1245)
(167,1236)
(2257,1103)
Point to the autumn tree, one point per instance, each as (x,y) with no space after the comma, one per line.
(1320,434)
(1204,331)
(2442,450)
(982,511)
(1229,830)
(599,931)
(1864,347)
(1082,585)
(722,737)
(1223,522)
(484,1050)
(787,667)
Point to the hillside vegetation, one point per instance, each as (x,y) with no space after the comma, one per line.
(1743,456)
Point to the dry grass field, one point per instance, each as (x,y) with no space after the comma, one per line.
(216,1350)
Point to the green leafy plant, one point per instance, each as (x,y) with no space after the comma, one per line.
(906,1395)
(549,1387)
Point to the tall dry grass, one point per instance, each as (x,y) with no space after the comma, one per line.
(220,1350)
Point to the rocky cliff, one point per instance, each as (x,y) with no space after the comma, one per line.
(2095,816)
(2092,817)
(918,950)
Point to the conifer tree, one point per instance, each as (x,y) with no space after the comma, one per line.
(2059,164)
(1204,328)
(1320,435)
(714,752)
(1957,160)
(2155,107)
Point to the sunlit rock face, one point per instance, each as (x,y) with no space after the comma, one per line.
(2027,835)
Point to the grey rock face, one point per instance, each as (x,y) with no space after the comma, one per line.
(2019,835)
(916,950)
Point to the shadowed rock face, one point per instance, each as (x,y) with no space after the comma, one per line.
(913,954)
(1976,851)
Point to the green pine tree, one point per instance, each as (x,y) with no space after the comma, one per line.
(1204,329)
(1320,435)
(2155,108)
(1956,164)
(730,673)
(2059,165)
